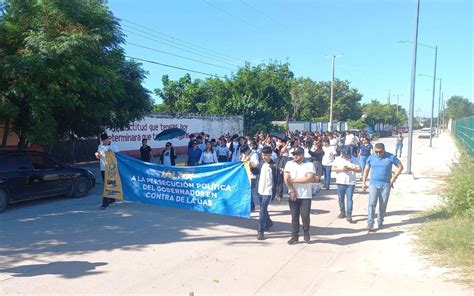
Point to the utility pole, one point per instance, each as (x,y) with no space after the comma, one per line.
(398,97)
(438,130)
(433,97)
(412,91)
(332,91)
(388,98)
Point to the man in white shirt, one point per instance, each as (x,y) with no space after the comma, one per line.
(345,167)
(299,176)
(105,146)
(266,180)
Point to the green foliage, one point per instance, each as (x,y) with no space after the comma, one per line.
(384,113)
(63,72)
(261,94)
(459,194)
(458,107)
(357,124)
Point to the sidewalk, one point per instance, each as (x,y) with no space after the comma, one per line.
(136,248)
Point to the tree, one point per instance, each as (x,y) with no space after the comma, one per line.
(383,113)
(63,73)
(309,99)
(459,107)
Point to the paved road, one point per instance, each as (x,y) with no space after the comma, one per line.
(66,246)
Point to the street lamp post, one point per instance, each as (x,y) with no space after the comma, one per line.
(439,100)
(332,91)
(439,106)
(434,86)
(433,97)
(412,90)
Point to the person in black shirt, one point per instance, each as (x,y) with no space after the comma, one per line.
(145,151)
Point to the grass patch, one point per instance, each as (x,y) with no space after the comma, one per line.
(450,242)
(448,234)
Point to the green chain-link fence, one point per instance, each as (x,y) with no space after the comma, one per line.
(464,131)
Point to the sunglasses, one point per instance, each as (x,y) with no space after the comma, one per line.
(379,151)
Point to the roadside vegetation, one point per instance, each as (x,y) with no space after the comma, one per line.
(449,234)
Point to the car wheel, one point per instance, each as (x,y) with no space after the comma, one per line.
(3,200)
(81,187)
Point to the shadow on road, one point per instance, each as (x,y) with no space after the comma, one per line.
(83,228)
(65,269)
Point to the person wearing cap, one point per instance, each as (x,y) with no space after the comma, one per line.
(345,167)
(299,175)
(194,154)
(105,145)
(379,166)
(266,180)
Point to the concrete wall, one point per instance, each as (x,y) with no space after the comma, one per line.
(129,139)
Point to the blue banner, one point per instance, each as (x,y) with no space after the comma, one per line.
(221,188)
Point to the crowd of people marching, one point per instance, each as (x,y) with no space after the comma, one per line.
(292,165)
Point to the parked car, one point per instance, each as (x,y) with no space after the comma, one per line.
(425,132)
(402,129)
(26,175)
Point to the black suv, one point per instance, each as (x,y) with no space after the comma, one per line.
(26,175)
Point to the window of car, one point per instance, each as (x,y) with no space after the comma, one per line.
(14,162)
(42,162)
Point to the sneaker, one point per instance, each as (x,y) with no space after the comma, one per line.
(380,226)
(349,219)
(102,207)
(306,237)
(370,228)
(260,236)
(293,241)
(341,215)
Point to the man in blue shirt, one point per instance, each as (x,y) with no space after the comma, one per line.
(381,180)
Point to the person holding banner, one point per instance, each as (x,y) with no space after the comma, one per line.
(299,176)
(105,146)
(266,173)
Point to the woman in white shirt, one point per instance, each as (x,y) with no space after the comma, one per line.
(346,166)
(208,155)
(222,151)
(328,159)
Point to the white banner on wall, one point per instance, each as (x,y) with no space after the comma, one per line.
(130,138)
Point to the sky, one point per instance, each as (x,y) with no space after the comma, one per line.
(218,36)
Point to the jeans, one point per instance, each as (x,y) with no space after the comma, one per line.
(379,192)
(398,147)
(345,191)
(362,163)
(105,200)
(264,217)
(253,193)
(327,175)
(300,207)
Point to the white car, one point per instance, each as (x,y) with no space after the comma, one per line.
(425,132)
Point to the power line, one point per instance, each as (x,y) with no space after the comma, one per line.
(184,42)
(175,67)
(231,15)
(177,46)
(175,55)
(262,13)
